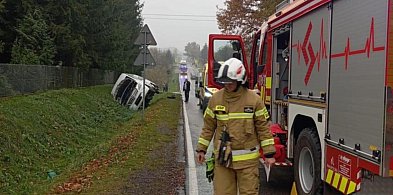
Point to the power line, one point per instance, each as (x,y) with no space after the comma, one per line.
(180,19)
(184,15)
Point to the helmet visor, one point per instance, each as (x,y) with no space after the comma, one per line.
(225,80)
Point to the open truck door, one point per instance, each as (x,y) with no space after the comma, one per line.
(260,71)
(221,48)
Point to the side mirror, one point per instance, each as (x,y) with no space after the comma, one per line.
(235,45)
(216,68)
(237,55)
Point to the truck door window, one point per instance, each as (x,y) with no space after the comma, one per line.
(223,50)
(256,56)
(281,66)
(264,53)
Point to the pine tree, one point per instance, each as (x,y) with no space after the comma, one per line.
(1,19)
(33,44)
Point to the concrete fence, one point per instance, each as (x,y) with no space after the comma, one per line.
(18,79)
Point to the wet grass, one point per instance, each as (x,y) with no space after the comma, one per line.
(54,132)
(145,153)
(65,139)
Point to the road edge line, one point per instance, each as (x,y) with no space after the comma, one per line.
(192,180)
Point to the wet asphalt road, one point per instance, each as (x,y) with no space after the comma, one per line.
(281,179)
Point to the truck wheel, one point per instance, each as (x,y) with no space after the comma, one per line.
(308,163)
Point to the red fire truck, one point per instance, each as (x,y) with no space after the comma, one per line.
(324,69)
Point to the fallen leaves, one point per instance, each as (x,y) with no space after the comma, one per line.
(169,171)
(83,179)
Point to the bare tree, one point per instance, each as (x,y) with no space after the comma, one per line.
(160,73)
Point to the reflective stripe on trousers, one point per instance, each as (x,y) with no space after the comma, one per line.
(246,154)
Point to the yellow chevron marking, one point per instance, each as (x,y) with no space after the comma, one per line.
(329,176)
(351,188)
(268,82)
(293,190)
(343,184)
(336,179)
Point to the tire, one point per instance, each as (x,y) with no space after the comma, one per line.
(308,163)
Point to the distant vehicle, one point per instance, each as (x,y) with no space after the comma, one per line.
(205,92)
(194,74)
(183,67)
(128,91)
(183,77)
(197,81)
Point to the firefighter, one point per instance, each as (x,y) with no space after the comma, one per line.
(237,119)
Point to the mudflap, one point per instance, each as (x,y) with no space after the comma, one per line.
(346,173)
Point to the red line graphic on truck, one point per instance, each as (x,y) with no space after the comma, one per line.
(312,57)
(306,50)
(368,47)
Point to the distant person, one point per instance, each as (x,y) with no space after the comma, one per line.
(186,89)
(165,87)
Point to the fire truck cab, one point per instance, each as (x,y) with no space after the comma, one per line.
(324,69)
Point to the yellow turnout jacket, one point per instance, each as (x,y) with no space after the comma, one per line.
(245,118)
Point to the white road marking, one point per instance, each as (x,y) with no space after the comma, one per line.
(192,176)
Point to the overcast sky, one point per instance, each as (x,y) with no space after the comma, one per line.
(174,23)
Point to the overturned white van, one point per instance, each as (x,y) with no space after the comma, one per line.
(128,91)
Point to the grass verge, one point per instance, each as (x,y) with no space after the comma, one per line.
(48,140)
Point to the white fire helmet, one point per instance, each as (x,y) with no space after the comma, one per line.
(232,70)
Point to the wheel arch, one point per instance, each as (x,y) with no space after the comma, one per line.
(301,122)
(299,117)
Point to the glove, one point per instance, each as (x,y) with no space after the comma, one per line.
(210,169)
(228,155)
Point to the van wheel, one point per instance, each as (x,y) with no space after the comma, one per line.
(308,163)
